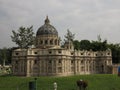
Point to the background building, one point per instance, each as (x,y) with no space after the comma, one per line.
(49,58)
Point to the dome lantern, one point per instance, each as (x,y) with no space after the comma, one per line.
(47,21)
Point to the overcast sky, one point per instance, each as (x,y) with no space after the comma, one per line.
(86,18)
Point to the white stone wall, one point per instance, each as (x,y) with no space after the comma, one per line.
(36,62)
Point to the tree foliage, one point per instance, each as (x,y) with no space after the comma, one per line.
(115,48)
(99,45)
(91,45)
(24,37)
(69,36)
(85,45)
(76,44)
(5,56)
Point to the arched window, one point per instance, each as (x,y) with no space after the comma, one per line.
(102,68)
(51,42)
(35,61)
(41,42)
(56,42)
(82,61)
(46,41)
(59,61)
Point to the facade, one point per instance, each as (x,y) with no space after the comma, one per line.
(48,58)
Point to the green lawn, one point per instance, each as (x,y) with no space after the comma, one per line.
(95,82)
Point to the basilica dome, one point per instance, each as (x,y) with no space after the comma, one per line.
(47,29)
(47,36)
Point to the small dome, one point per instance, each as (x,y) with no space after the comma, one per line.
(47,29)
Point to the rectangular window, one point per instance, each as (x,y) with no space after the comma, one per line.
(35,52)
(59,51)
(72,61)
(50,52)
(81,53)
(17,53)
(59,61)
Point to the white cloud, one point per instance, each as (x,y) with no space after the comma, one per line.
(86,18)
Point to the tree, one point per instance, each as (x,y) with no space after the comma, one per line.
(99,38)
(76,44)
(85,45)
(24,37)
(3,56)
(69,36)
(99,45)
(9,55)
(115,48)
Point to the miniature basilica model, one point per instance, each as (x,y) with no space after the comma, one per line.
(48,58)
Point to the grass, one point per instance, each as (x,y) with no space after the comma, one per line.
(95,82)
